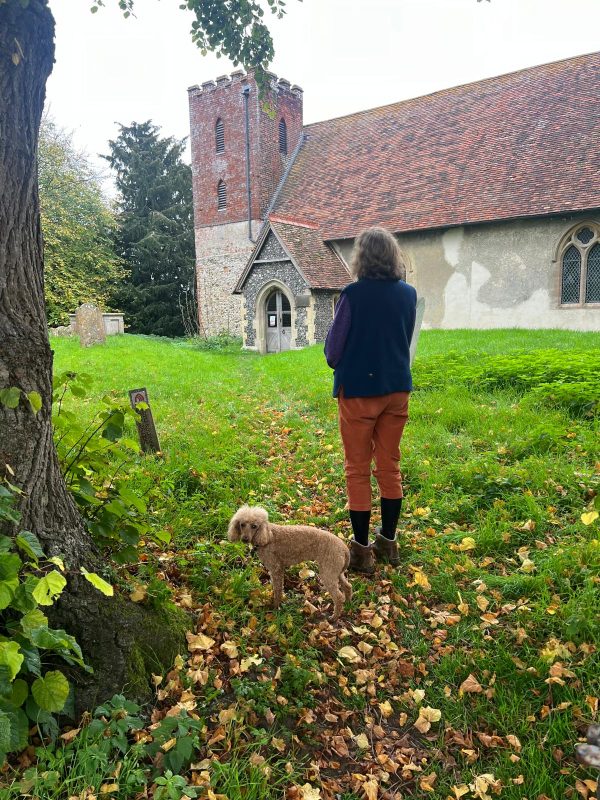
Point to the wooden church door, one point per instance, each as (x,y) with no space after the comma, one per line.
(279,322)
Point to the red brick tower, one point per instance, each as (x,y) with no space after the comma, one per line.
(240,150)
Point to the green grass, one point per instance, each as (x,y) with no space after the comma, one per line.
(495,463)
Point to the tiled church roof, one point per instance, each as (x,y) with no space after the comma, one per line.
(523,144)
(303,243)
(321,267)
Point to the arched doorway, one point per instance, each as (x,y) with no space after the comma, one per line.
(278,322)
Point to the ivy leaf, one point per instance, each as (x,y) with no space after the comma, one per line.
(7,591)
(30,544)
(32,621)
(5,733)
(98,582)
(10,397)
(51,691)
(35,401)
(11,657)
(20,690)
(49,588)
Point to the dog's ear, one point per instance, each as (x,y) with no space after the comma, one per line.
(234,531)
(263,535)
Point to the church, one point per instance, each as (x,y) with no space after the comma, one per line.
(492,189)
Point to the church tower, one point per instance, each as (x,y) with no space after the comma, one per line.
(241,145)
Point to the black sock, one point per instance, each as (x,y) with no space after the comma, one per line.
(360,526)
(390,511)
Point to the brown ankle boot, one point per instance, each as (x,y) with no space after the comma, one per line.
(386,550)
(361,558)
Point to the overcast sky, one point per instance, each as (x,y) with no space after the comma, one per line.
(347,55)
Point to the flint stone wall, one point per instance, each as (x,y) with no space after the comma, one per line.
(262,274)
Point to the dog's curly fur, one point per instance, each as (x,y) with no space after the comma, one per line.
(280,546)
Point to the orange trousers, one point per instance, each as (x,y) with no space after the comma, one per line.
(371,429)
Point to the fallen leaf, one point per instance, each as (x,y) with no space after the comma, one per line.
(138,594)
(460,791)
(371,789)
(468,543)
(226,715)
(362,741)
(306,573)
(70,735)
(386,709)
(589,516)
(349,653)
(427,715)
(426,782)
(470,685)
(230,649)
(308,792)
(199,642)
(250,661)
(418,695)
(420,579)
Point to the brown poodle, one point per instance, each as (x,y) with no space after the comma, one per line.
(280,546)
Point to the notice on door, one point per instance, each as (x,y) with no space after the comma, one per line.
(272,320)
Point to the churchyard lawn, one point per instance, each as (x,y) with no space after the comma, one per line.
(468,672)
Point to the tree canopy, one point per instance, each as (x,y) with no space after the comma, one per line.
(81,265)
(155,234)
(231,28)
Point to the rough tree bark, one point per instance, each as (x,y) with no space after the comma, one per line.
(121,640)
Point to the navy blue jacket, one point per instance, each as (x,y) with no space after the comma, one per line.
(376,357)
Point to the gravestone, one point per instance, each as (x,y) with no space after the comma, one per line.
(145,424)
(417,329)
(89,324)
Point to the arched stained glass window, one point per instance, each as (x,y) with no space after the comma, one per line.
(221,195)
(220,136)
(592,281)
(579,258)
(283,146)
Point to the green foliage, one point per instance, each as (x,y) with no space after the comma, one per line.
(91,759)
(92,455)
(27,580)
(80,264)
(11,396)
(178,756)
(221,343)
(551,377)
(155,234)
(234,29)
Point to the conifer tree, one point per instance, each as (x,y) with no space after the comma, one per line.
(155,233)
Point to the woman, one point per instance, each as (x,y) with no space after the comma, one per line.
(368,347)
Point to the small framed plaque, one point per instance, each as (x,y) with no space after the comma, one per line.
(272,320)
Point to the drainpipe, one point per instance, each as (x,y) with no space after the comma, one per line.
(246,95)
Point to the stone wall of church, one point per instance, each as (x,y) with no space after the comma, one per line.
(222,252)
(323,310)
(260,276)
(493,275)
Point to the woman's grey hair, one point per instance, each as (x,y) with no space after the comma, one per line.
(377,255)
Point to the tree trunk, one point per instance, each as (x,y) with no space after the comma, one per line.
(108,630)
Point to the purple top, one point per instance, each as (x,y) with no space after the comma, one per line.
(338,332)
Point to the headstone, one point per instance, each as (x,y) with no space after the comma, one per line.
(89,324)
(145,424)
(417,330)
(62,330)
